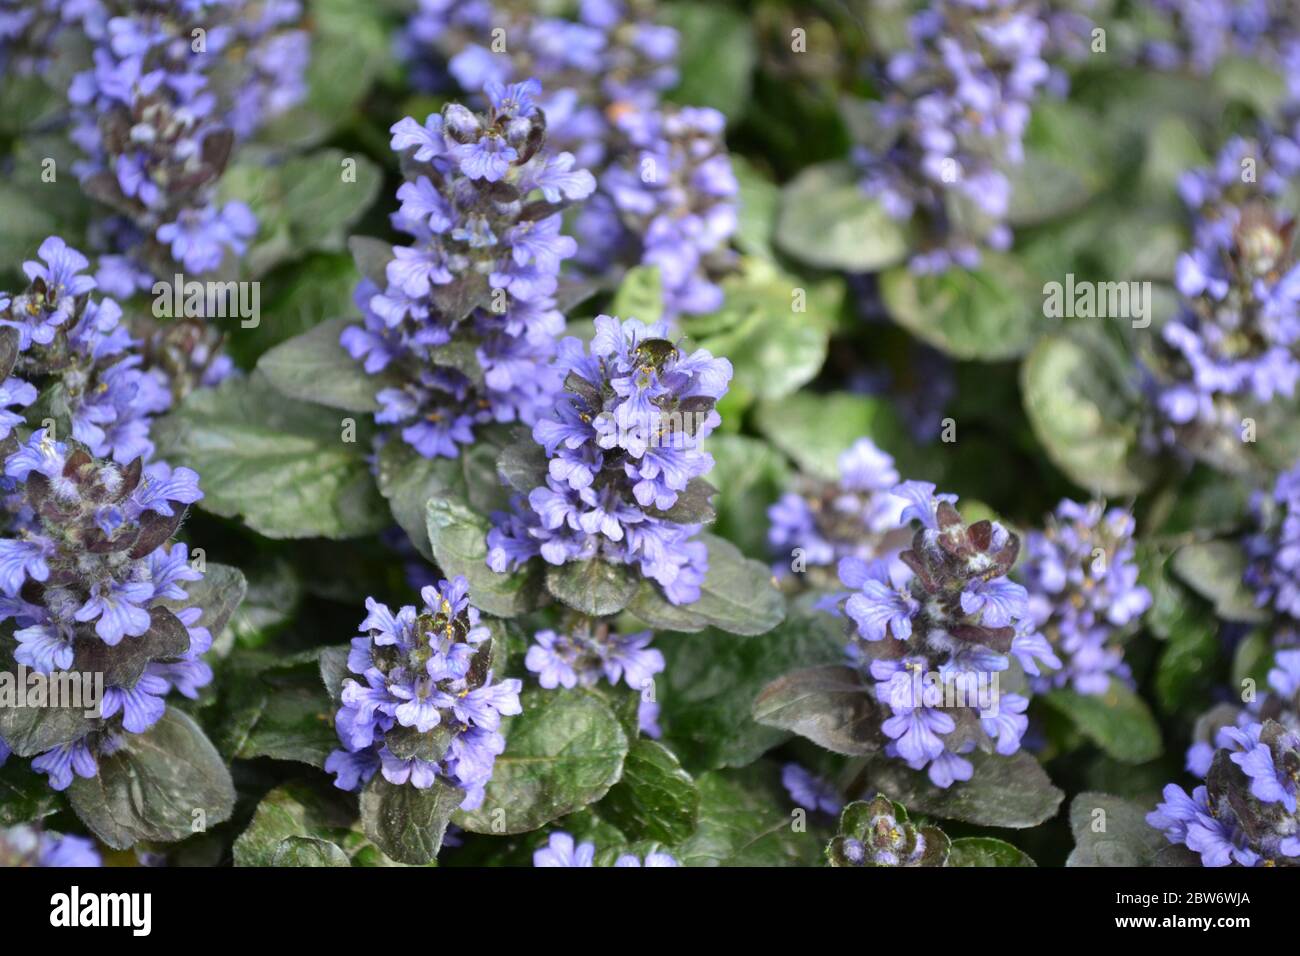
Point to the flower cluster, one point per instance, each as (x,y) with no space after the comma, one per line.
(26,846)
(589,650)
(89,580)
(423,706)
(172,88)
(1280,703)
(1198,34)
(954,114)
(878,833)
(27,30)
(812,793)
(823,521)
(611,53)
(624,480)
(1235,344)
(1273,554)
(1245,812)
(561,850)
(936,640)
(57,340)
(668,201)
(482,202)
(1083,592)
(667,193)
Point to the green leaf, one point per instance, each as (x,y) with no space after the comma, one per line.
(1215,570)
(300,825)
(1011,792)
(25,795)
(829,705)
(1109,831)
(712,678)
(986,851)
(744,821)
(716,56)
(314,367)
(827,221)
(157,788)
(334,670)
(1253,658)
(987,314)
(750,475)
(814,430)
(302,205)
(282,711)
(298,298)
(407,823)
(562,753)
(1081,400)
(28,220)
(595,587)
(737,596)
(1119,721)
(282,466)
(124,663)
(759,200)
(408,480)
(656,799)
(1251,81)
(342,32)
(1068,159)
(220,594)
(523,465)
(458,541)
(639,296)
(308,851)
(773,349)
(271,600)
(1172,148)
(31,730)
(1188,667)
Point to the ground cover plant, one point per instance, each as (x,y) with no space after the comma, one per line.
(630,433)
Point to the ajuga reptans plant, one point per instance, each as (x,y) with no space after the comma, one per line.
(462,324)
(173,88)
(935,636)
(422,705)
(624,479)
(1084,594)
(667,194)
(954,112)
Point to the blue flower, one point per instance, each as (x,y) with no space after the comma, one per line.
(452,205)
(881,610)
(645,454)
(591,651)
(1234,345)
(418,670)
(1245,813)
(954,619)
(560,850)
(665,192)
(812,793)
(60,763)
(1082,579)
(955,108)
(97,583)
(25,845)
(831,521)
(184,110)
